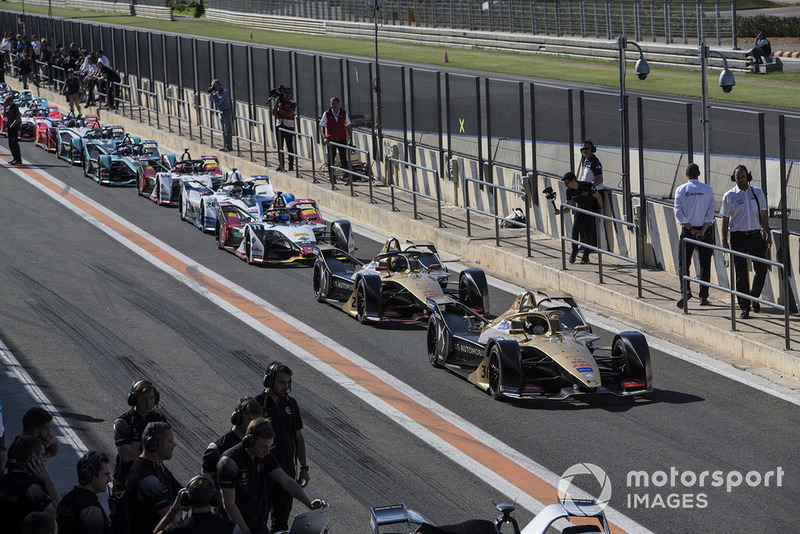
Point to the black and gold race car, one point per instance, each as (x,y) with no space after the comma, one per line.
(540,348)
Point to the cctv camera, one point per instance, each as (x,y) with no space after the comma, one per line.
(726,81)
(642,69)
(727,88)
(642,75)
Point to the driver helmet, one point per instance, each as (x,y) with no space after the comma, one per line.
(282,216)
(398,264)
(535,325)
(234,176)
(237,189)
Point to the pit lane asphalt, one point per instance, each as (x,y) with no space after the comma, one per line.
(86,316)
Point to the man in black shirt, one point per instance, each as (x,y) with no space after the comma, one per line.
(79,511)
(584,227)
(290,446)
(244,473)
(247,409)
(13,120)
(128,428)
(37,423)
(200,496)
(151,488)
(27,487)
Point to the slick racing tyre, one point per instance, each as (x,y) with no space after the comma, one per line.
(494,375)
(361,302)
(438,342)
(321,283)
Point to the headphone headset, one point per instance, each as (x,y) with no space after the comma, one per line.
(273,369)
(248,441)
(151,442)
(238,414)
(135,393)
(749,174)
(590,145)
(186,496)
(89,467)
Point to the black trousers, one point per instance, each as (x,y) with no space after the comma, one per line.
(287,140)
(281,509)
(584,229)
(343,158)
(749,243)
(13,142)
(704,267)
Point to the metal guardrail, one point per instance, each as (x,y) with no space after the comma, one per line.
(351,174)
(414,192)
(601,251)
(497,218)
(733,293)
(310,138)
(212,112)
(148,96)
(179,105)
(120,99)
(250,140)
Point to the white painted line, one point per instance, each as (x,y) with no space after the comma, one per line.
(416,429)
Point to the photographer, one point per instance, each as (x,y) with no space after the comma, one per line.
(222,100)
(73,88)
(284,111)
(584,227)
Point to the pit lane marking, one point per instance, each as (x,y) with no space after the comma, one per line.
(511,472)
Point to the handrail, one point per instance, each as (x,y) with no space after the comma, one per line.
(178,103)
(212,111)
(350,172)
(414,192)
(685,279)
(250,123)
(601,251)
(149,95)
(310,139)
(497,218)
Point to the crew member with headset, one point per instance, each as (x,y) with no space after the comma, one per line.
(150,487)
(128,428)
(244,474)
(247,409)
(290,446)
(744,213)
(80,511)
(591,168)
(200,497)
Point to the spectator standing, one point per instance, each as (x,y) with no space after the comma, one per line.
(200,496)
(584,227)
(339,130)
(102,59)
(150,486)
(222,100)
(25,70)
(28,486)
(109,77)
(744,213)
(694,211)
(247,409)
(73,88)
(284,111)
(244,473)
(13,119)
(289,444)
(128,429)
(79,511)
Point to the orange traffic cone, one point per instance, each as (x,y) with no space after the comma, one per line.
(445,57)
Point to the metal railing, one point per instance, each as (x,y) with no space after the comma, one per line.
(124,88)
(351,174)
(250,139)
(686,279)
(212,112)
(148,95)
(297,135)
(600,251)
(414,191)
(495,215)
(180,105)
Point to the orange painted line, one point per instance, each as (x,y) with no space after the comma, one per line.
(447,431)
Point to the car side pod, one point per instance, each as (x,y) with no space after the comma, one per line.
(565,509)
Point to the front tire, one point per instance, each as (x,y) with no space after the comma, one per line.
(438,342)
(218,236)
(494,375)
(321,283)
(182,204)
(361,302)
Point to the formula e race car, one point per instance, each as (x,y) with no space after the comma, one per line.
(285,235)
(540,348)
(200,205)
(122,164)
(102,146)
(46,128)
(399,285)
(29,109)
(69,131)
(165,188)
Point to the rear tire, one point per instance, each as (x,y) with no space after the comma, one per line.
(218,236)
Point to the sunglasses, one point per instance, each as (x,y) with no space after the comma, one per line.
(585,148)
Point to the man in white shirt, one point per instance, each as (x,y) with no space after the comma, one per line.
(744,213)
(694,211)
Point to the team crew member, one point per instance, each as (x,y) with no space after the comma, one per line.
(200,496)
(247,409)
(339,130)
(694,210)
(128,429)
(13,119)
(591,168)
(37,423)
(285,110)
(150,487)
(744,213)
(584,227)
(79,511)
(244,473)
(27,487)
(290,446)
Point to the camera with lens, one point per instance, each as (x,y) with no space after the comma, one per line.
(549,194)
(279,93)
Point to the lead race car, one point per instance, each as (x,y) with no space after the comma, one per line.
(286,234)
(398,285)
(540,348)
